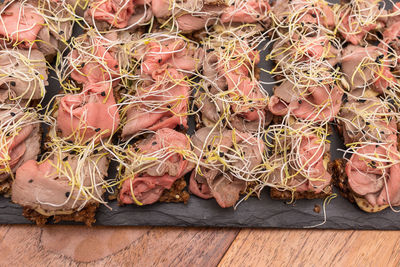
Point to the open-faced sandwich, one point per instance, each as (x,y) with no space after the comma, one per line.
(297,164)
(369,175)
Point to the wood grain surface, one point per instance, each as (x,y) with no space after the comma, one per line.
(169,246)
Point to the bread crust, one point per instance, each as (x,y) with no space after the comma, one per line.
(86,215)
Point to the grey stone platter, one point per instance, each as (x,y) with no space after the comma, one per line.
(263,212)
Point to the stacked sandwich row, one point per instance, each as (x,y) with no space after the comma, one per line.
(337,64)
(30,36)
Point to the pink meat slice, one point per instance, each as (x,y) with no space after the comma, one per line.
(365,176)
(322,13)
(20,24)
(208,15)
(236,74)
(16,146)
(354,36)
(392,32)
(321,104)
(116,12)
(240,85)
(277,107)
(160,8)
(173,95)
(391,194)
(312,155)
(94,72)
(212,182)
(174,53)
(249,12)
(148,187)
(199,187)
(88,114)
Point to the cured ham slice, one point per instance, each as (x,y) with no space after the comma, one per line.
(176,53)
(49,187)
(205,17)
(230,80)
(20,24)
(97,66)
(20,140)
(161,105)
(90,114)
(356,19)
(23,74)
(358,66)
(314,103)
(311,155)
(367,120)
(373,171)
(159,174)
(115,12)
(306,12)
(188,16)
(248,11)
(215,179)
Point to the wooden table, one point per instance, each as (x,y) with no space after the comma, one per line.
(168,246)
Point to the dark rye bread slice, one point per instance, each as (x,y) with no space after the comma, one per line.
(340,180)
(288,195)
(177,193)
(86,215)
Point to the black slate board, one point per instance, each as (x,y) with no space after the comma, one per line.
(264,212)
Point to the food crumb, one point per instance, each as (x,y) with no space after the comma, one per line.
(317,208)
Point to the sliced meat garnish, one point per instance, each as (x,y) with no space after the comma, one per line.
(199,187)
(162,105)
(23,74)
(116,12)
(161,173)
(321,104)
(20,140)
(354,35)
(171,163)
(365,173)
(277,106)
(146,189)
(248,11)
(194,21)
(390,193)
(232,74)
(355,20)
(176,53)
(226,189)
(306,12)
(367,120)
(357,65)
(15,146)
(314,103)
(90,114)
(247,91)
(20,23)
(43,186)
(99,67)
(213,148)
(311,153)
(161,8)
